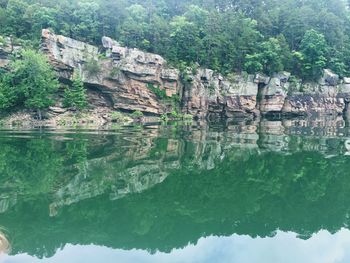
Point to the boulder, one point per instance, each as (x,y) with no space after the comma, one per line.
(261,79)
(346,80)
(170,74)
(283,76)
(109,43)
(275,93)
(329,78)
(57,110)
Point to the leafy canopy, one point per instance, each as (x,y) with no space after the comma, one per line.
(224,35)
(30,82)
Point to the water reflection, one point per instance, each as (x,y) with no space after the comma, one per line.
(284,247)
(159,189)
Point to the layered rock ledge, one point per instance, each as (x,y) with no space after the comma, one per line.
(125,79)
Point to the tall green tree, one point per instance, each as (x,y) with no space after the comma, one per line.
(273,56)
(75,96)
(30,82)
(313,50)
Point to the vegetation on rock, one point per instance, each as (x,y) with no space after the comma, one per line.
(137,114)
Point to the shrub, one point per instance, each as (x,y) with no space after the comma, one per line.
(187,117)
(164,117)
(174,114)
(30,82)
(160,93)
(92,67)
(117,116)
(137,114)
(114,72)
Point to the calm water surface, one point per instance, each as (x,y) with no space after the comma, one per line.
(272,192)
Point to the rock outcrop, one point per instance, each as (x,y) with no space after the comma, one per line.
(126,76)
(329,96)
(126,79)
(131,79)
(135,80)
(207,94)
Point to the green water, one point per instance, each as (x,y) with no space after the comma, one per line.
(176,194)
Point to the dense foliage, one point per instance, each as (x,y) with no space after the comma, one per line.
(75,96)
(225,35)
(30,82)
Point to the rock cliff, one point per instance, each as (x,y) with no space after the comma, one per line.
(129,80)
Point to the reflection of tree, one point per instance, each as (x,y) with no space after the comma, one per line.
(215,184)
(29,166)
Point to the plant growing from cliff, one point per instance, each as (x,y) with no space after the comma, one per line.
(160,93)
(114,72)
(117,116)
(294,85)
(187,117)
(164,117)
(7,95)
(75,96)
(92,67)
(137,114)
(174,114)
(30,82)
(211,88)
(2,41)
(175,98)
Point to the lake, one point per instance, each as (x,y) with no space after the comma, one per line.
(273,191)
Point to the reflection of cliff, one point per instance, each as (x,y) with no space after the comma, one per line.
(110,175)
(158,189)
(77,169)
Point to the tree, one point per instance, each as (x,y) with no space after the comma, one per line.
(30,82)
(134,29)
(6,96)
(185,40)
(224,35)
(86,25)
(75,96)
(253,63)
(272,57)
(313,49)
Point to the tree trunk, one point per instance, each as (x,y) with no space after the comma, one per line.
(39,114)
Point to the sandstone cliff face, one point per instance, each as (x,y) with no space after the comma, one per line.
(207,94)
(329,96)
(122,74)
(129,80)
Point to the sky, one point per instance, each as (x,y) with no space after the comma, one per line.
(322,247)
